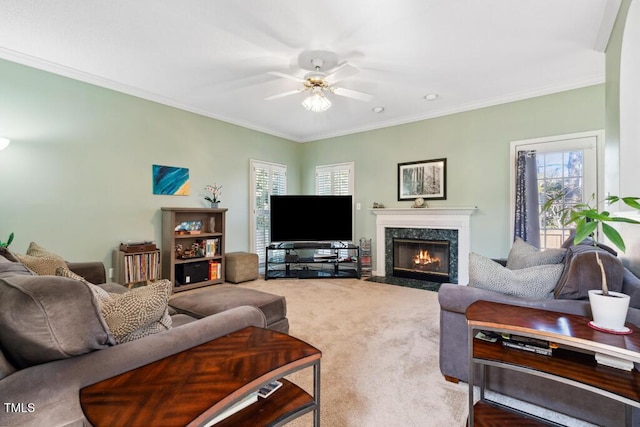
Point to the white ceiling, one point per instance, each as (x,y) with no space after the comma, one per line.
(213,56)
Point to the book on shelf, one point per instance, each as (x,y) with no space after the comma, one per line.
(519,339)
(246,401)
(534,345)
(215,270)
(140,267)
(209,247)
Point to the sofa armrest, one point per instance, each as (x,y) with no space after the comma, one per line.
(93,271)
(457,298)
(53,387)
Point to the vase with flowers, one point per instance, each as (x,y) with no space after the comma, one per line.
(215,192)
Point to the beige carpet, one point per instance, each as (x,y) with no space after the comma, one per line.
(379,348)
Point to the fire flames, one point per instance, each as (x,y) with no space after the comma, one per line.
(423,258)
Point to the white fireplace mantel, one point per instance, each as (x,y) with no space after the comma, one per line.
(442,218)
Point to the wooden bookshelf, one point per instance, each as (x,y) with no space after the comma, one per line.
(213,230)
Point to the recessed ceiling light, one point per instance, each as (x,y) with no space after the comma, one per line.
(431,97)
(377,109)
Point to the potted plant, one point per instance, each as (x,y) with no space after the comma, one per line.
(8,242)
(609,309)
(214,198)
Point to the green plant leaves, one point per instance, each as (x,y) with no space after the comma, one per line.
(613,235)
(6,245)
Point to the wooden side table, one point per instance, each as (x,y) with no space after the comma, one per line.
(572,363)
(192,387)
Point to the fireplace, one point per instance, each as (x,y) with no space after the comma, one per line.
(421,259)
(452,224)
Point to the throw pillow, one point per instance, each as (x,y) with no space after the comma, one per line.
(134,314)
(48,318)
(582,273)
(40,260)
(532,282)
(140,312)
(524,255)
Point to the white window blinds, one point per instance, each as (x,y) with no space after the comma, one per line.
(336,179)
(266,179)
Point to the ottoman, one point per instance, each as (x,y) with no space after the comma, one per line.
(240,267)
(218,298)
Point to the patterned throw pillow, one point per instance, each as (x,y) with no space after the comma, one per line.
(139,312)
(40,260)
(134,314)
(524,255)
(532,282)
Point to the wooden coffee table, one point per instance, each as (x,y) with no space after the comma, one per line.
(192,387)
(573,363)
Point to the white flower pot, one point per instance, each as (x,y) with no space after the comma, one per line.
(609,312)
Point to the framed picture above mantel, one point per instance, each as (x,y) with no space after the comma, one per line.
(423,178)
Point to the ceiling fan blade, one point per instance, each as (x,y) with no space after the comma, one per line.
(354,94)
(282,95)
(286,76)
(342,72)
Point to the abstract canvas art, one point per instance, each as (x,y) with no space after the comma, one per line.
(170,180)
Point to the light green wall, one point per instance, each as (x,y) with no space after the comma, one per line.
(476,146)
(77,175)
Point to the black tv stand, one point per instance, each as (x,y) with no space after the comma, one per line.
(311,245)
(330,259)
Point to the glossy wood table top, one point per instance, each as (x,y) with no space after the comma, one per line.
(189,387)
(562,328)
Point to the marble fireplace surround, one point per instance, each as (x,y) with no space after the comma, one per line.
(434,218)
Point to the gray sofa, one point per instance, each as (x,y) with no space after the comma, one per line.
(48,393)
(582,404)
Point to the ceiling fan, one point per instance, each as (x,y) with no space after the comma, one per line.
(319,83)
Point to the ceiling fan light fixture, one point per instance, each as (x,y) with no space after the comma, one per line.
(316,102)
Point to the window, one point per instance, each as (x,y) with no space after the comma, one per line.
(266,179)
(564,165)
(334,179)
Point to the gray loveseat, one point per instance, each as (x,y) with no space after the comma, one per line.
(47,394)
(582,404)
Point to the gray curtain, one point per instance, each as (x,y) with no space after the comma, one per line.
(527,222)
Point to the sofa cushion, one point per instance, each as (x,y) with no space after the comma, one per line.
(216,299)
(9,268)
(6,368)
(133,314)
(582,273)
(48,318)
(41,261)
(524,255)
(533,282)
(6,253)
(101,295)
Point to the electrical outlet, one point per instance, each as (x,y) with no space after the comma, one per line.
(111,273)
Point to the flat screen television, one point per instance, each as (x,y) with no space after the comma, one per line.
(311,218)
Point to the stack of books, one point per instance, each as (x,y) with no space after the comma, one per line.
(533,345)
